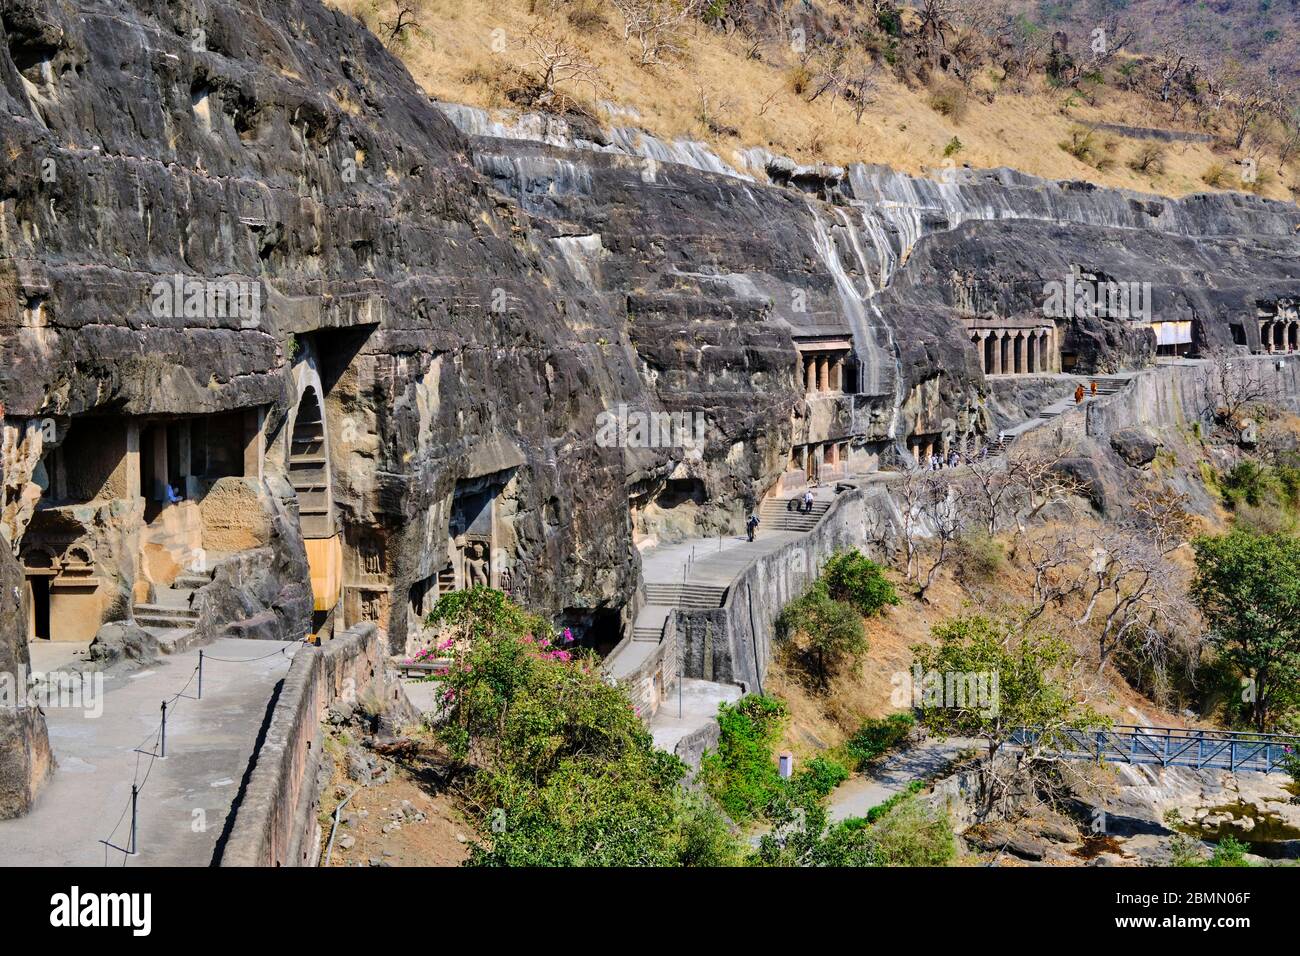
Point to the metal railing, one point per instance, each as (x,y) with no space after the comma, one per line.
(1172,747)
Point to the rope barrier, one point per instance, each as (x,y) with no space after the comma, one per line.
(137,784)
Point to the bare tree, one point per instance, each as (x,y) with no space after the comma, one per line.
(1162,515)
(932,522)
(405,16)
(1255,95)
(656,25)
(1053,557)
(552,61)
(1134,584)
(1230,387)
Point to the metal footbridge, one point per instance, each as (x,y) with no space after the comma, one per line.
(1235,751)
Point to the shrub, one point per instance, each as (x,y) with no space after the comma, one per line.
(799,78)
(912,834)
(1149,159)
(979,557)
(741,774)
(554,753)
(1248,482)
(949,100)
(704,838)
(954,147)
(877,736)
(860,581)
(820,632)
(1229,852)
(1216,176)
(819,777)
(1080,144)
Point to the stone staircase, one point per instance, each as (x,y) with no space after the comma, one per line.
(783,514)
(171,610)
(307,472)
(649,625)
(1106,385)
(693,596)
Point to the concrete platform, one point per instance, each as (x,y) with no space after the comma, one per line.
(185,798)
(699,704)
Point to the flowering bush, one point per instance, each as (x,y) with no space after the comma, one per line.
(558,759)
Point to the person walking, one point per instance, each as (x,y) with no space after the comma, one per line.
(1078,393)
(751,524)
(808,501)
(1093,388)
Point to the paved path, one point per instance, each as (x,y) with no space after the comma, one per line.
(187,796)
(891,775)
(1106,385)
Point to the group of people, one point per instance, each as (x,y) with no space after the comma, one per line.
(938,461)
(1079,392)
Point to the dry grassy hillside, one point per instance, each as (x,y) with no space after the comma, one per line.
(733,93)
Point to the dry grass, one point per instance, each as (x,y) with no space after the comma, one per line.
(753,102)
(821,721)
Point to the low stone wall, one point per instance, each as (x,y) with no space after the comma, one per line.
(649,682)
(1156,133)
(275,823)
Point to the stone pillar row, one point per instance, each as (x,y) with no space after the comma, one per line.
(823,373)
(1279,335)
(1016,351)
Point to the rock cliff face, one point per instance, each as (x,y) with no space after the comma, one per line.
(435,316)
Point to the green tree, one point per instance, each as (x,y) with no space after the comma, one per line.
(852,577)
(988,676)
(559,767)
(1248,587)
(821,632)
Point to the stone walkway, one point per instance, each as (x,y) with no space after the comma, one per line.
(694,573)
(1106,385)
(925,761)
(185,797)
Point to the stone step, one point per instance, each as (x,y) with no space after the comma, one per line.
(691,596)
(173,597)
(688,588)
(157,615)
(191,581)
(651,634)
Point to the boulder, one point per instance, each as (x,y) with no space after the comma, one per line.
(120,641)
(1136,446)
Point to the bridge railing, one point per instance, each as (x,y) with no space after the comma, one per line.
(1172,746)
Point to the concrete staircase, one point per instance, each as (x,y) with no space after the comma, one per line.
(694,596)
(784,514)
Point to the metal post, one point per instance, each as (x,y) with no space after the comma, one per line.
(135,793)
(162,736)
(200,674)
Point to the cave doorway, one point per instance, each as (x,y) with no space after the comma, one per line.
(39,587)
(599,629)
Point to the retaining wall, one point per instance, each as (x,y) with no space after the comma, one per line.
(1174,395)
(275,823)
